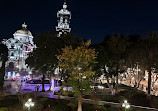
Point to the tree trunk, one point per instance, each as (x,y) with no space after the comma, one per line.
(117,77)
(60,92)
(139,83)
(140,77)
(50,81)
(80,103)
(111,89)
(117,83)
(149,81)
(43,78)
(135,84)
(2,74)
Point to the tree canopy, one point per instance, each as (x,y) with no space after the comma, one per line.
(78,63)
(44,57)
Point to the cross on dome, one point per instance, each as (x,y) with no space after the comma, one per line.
(24,25)
(64,6)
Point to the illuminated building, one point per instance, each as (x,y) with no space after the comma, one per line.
(64,17)
(18,49)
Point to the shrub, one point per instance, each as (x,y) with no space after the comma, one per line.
(3,109)
(110,98)
(101,107)
(8,101)
(60,108)
(72,104)
(89,107)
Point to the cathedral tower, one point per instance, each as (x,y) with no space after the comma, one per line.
(64,17)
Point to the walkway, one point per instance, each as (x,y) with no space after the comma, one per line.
(116,104)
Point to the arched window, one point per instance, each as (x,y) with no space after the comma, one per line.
(12,46)
(12,54)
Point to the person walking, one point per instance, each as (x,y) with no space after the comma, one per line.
(38,87)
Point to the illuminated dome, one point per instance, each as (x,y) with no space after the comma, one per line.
(24,35)
(24,30)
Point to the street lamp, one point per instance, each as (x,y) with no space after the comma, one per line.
(29,104)
(30,72)
(126,105)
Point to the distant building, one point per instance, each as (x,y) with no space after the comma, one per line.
(64,17)
(18,49)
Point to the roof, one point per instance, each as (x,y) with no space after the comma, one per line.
(24,31)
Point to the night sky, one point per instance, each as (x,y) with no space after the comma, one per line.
(91,19)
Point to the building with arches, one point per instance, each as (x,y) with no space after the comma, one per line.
(18,49)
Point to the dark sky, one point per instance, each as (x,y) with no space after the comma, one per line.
(91,19)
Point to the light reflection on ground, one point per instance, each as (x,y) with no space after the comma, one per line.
(31,88)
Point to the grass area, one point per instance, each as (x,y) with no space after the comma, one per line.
(132,95)
(11,103)
(137,97)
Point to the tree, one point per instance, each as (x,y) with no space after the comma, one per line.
(145,54)
(116,47)
(78,63)
(44,57)
(3,59)
(134,60)
(101,66)
(150,54)
(111,58)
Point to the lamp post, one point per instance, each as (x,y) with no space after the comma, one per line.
(29,104)
(126,105)
(30,73)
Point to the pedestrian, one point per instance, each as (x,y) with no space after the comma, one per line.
(100,81)
(142,86)
(38,87)
(146,88)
